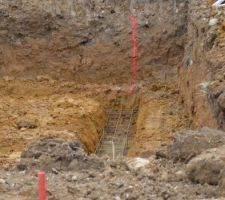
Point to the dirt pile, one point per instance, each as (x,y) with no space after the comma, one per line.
(188,144)
(203,152)
(57,154)
(207,167)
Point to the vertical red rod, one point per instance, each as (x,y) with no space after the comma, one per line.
(42,186)
(134,52)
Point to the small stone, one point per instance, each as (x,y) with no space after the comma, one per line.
(55,171)
(119,184)
(2,181)
(137,163)
(117,198)
(165,176)
(74,178)
(180,175)
(213,21)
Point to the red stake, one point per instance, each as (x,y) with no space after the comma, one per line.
(134,53)
(42,186)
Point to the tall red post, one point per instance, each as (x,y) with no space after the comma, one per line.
(134,52)
(42,185)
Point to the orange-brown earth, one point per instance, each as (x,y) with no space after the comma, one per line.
(160,114)
(36,110)
(64,63)
(32,111)
(44,45)
(201,78)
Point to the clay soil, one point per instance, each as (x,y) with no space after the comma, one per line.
(64,64)
(33,111)
(36,110)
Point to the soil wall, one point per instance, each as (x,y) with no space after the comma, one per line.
(202,81)
(31,111)
(90,41)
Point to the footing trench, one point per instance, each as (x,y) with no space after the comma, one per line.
(118,133)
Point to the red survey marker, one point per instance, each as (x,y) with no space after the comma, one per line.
(42,186)
(134,53)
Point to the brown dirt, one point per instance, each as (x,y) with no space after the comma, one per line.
(188,144)
(160,114)
(43,45)
(202,82)
(33,110)
(63,63)
(88,41)
(70,111)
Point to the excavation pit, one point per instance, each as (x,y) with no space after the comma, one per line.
(64,63)
(136,124)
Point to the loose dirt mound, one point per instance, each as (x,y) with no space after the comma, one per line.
(207,167)
(191,143)
(57,154)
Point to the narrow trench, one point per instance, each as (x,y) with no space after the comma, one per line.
(118,132)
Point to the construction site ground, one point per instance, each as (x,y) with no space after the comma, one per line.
(46,109)
(73,105)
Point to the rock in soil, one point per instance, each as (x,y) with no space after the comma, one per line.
(188,144)
(208,167)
